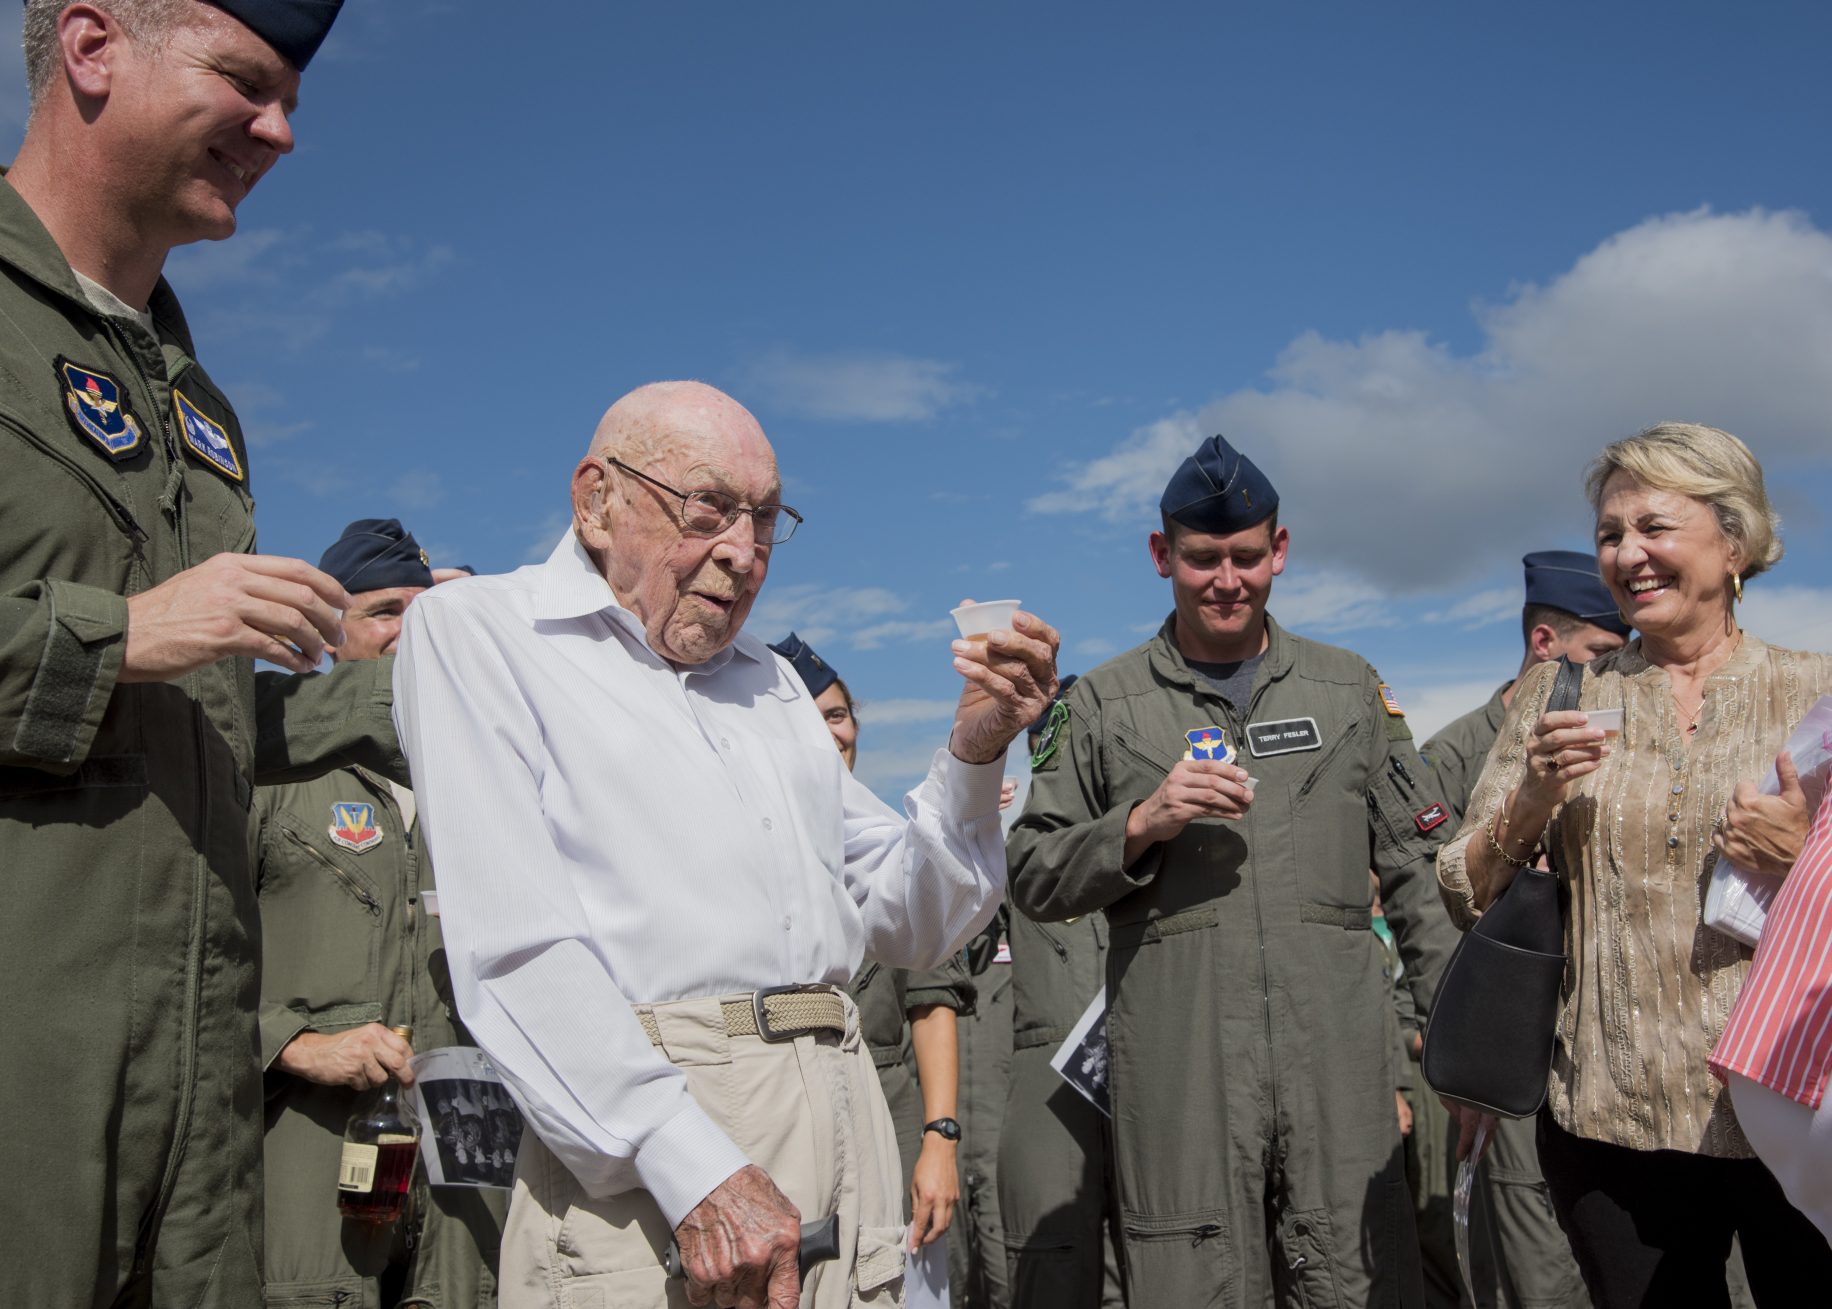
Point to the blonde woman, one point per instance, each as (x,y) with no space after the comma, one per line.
(1649,1171)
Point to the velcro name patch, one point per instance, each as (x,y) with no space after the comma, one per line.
(1285,736)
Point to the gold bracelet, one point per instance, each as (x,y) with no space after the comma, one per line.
(1495,843)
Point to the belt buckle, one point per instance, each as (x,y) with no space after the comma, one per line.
(764,1032)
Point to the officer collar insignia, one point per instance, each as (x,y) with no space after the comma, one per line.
(206,438)
(99,410)
(1208,743)
(1050,739)
(1386,698)
(353,826)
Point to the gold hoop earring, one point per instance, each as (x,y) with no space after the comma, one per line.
(1736,586)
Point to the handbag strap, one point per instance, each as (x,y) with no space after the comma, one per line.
(1565,690)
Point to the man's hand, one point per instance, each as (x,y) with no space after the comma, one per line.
(263,606)
(1405,1112)
(360,1058)
(1764,833)
(1467,1122)
(1011,679)
(740,1246)
(1196,788)
(934,1188)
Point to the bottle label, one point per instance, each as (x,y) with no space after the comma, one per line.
(356,1171)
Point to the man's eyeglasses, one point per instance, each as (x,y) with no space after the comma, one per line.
(708,513)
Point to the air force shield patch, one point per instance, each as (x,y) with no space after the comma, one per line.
(98,409)
(353,826)
(1208,743)
(206,438)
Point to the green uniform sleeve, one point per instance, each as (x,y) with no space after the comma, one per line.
(1409,821)
(307,724)
(1065,854)
(60,652)
(949,986)
(278,1026)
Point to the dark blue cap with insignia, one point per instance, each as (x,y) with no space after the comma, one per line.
(1219,490)
(816,675)
(375,554)
(1568,580)
(294,28)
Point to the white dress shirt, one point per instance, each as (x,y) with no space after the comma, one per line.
(610,829)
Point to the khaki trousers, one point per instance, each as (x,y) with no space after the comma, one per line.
(808,1112)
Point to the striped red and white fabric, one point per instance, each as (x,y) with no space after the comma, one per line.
(1780,1030)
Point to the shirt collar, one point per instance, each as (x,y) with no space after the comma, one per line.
(569,585)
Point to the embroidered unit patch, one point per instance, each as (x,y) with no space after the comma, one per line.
(1208,743)
(98,409)
(206,438)
(1051,737)
(353,826)
(1386,698)
(1435,816)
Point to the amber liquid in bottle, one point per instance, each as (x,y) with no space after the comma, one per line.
(381,1146)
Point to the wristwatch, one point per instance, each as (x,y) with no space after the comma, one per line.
(946,1128)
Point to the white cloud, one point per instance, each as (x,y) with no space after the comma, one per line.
(1405,463)
(1320,603)
(1095,647)
(1433,699)
(860,386)
(1484,607)
(818,613)
(894,713)
(250,256)
(901,630)
(1799,617)
(894,769)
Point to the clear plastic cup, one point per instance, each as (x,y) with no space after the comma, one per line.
(430,899)
(976,620)
(1610,720)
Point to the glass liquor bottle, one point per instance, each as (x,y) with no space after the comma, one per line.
(381,1143)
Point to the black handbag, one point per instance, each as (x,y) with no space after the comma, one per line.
(1493,1025)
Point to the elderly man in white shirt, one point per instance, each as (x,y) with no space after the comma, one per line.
(644,833)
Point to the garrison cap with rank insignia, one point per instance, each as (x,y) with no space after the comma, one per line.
(1218,490)
(376,554)
(816,674)
(1567,580)
(294,28)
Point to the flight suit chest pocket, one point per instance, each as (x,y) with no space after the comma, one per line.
(321,925)
(1136,765)
(1330,829)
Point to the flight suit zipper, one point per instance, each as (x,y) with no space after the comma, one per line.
(350,883)
(1239,724)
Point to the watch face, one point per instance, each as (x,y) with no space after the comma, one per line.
(947,1128)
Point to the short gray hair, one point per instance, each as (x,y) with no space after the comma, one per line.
(1707,464)
(143,20)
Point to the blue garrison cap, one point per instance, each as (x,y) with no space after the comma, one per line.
(294,28)
(1218,489)
(375,554)
(1567,580)
(815,672)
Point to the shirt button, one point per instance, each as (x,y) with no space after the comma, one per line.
(786,924)
(1679,788)
(1672,843)
(725,743)
(767,825)
(1673,817)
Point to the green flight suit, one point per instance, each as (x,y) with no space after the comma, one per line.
(976,1241)
(1256,1144)
(1512,1221)
(130,933)
(346,941)
(885,997)
(1054,1164)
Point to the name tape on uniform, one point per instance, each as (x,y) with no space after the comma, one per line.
(1286,736)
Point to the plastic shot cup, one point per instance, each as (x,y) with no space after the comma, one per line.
(976,621)
(1610,720)
(430,900)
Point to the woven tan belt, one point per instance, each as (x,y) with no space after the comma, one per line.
(777,1013)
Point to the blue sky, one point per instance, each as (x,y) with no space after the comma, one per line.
(987,272)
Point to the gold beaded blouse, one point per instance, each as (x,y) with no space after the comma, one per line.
(1648,987)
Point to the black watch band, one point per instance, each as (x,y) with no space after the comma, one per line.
(946,1128)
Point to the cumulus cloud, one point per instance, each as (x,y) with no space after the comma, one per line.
(898,713)
(1402,461)
(862,387)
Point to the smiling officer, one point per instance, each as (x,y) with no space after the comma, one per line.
(1256,1145)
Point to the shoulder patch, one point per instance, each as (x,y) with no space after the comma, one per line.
(1387,698)
(1049,742)
(353,826)
(98,409)
(206,438)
